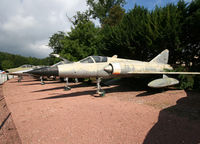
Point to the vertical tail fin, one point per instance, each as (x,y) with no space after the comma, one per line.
(162,57)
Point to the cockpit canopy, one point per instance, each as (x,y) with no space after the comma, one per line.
(59,63)
(94,59)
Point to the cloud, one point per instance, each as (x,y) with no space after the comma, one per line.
(25,26)
(19,23)
(39,46)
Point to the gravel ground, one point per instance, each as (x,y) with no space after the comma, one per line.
(48,114)
(8,131)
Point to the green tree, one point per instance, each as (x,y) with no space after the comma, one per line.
(11,61)
(191,35)
(115,15)
(6,64)
(100,8)
(55,41)
(82,41)
(80,17)
(167,22)
(131,38)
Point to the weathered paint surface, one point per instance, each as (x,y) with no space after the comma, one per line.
(117,67)
(106,67)
(17,69)
(122,67)
(163,82)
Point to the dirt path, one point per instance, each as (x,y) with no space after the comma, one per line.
(8,131)
(48,114)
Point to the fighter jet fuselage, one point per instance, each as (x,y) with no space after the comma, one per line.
(109,69)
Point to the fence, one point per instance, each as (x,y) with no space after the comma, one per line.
(5,77)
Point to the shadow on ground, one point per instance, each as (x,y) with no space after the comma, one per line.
(62,87)
(75,94)
(49,89)
(178,124)
(39,83)
(120,85)
(150,92)
(16,81)
(8,131)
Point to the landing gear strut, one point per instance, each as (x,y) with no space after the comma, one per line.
(19,78)
(76,80)
(42,81)
(99,90)
(67,84)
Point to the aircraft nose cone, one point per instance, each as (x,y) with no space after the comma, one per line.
(108,69)
(46,71)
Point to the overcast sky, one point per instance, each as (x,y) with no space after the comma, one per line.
(26,25)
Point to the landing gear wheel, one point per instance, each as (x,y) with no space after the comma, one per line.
(67,88)
(101,93)
(42,83)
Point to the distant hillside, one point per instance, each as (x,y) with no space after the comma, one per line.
(10,61)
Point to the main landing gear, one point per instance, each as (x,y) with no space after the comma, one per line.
(20,78)
(42,81)
(99,90)
(67,84)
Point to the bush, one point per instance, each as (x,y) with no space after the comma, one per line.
(186,81)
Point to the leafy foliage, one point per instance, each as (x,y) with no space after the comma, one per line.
(186,81)
(115,16)
(83,40)
(5,64)
(55,41)
(11,61)
(100,8)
